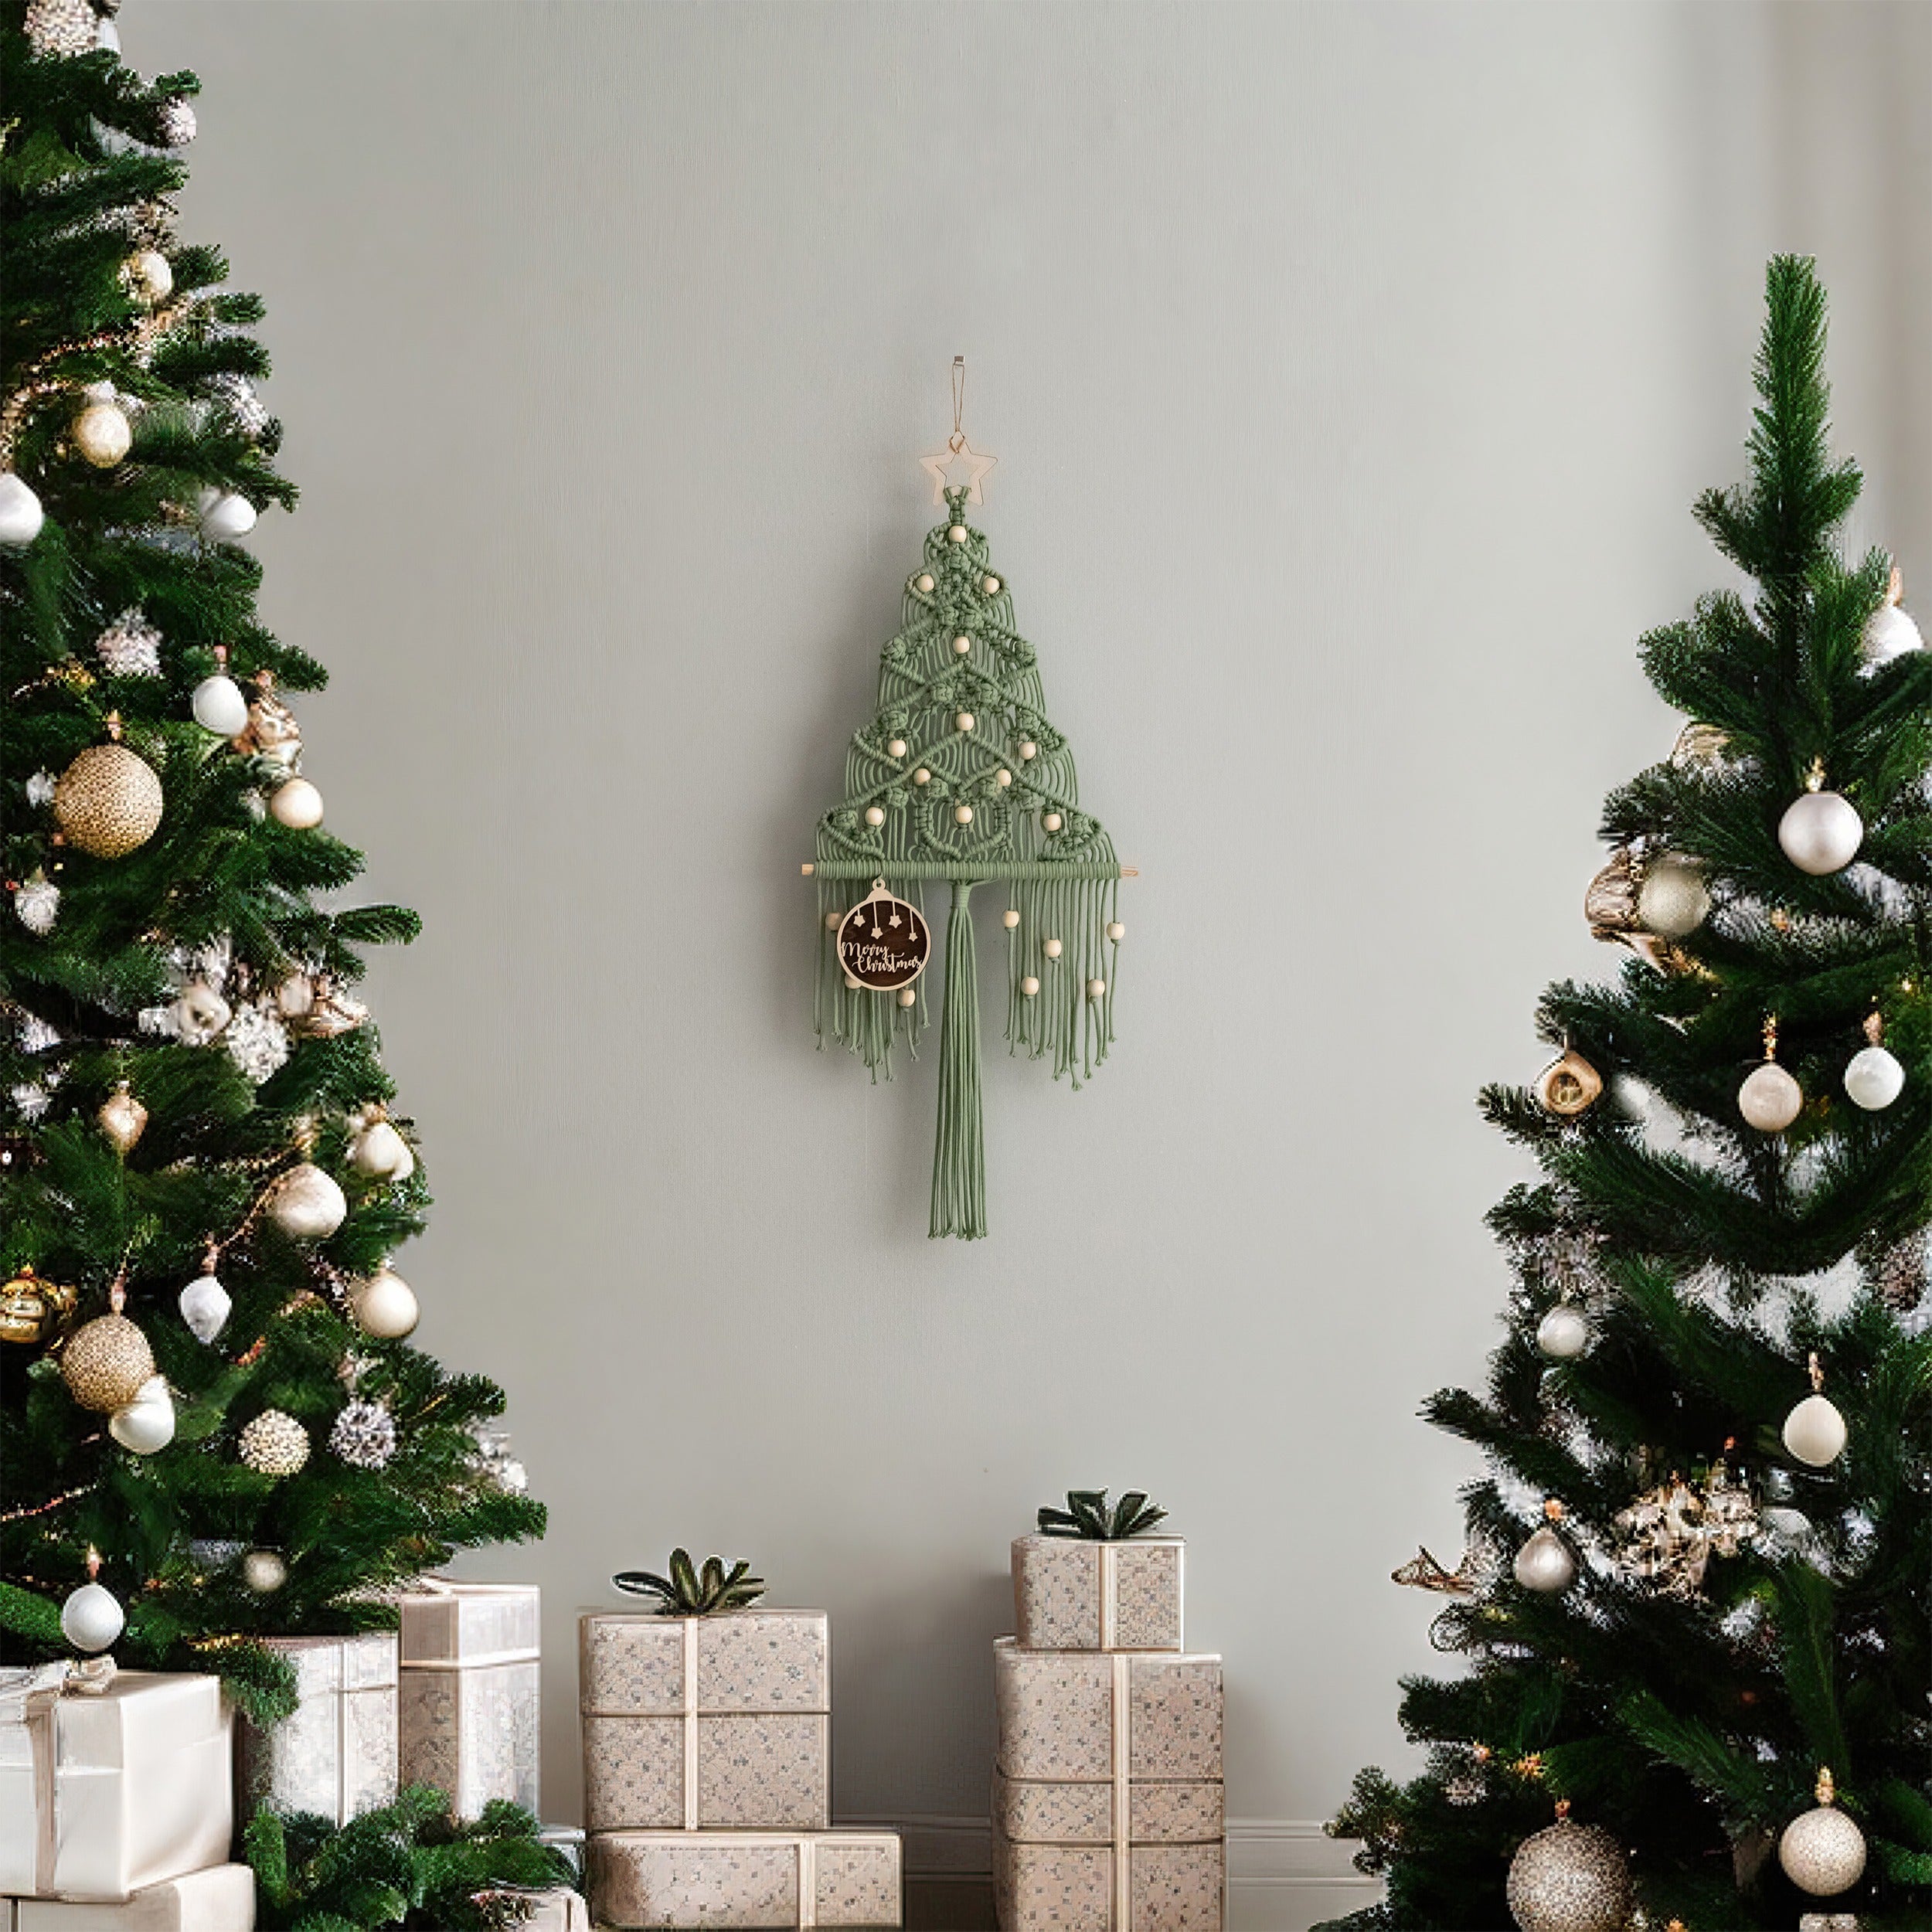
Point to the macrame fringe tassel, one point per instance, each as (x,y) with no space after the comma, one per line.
(959,1153)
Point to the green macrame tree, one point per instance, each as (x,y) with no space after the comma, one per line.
(961,779)
(183,1063)
(1693,1588)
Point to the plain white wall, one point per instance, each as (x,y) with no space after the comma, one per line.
(1352,369)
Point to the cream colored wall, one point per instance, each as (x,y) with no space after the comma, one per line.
(1352,369)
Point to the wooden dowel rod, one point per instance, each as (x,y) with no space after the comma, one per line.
(935,868)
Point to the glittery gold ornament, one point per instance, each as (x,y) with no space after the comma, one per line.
(31,1309)
(123,1118)
(108,801)
(1823,1851)
(1569,1878)
(102,434)
(274,1444)
(106,1363)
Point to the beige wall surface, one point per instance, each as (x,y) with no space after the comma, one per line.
(1352,368)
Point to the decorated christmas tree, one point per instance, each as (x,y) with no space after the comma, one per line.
(961,779)
(1693,1612)
(207,1406)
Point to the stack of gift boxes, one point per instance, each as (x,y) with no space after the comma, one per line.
(1106,1791)
(120,1791)
(707,1777)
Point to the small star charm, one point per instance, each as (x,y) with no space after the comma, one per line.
(958,454)
(895,920)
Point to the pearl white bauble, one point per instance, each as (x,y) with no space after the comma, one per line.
(1820,832)
(1029,750)
(875,815)
(964,721)
(384,1306)
(263,1571)
(103,435)
(21,515)
(205,1305)
(308,1203)
(1009,918)
(1770,1100)
(1002,777)
(199,1013)
(896,749)
(924,583)
(1873,1078)
(1115,931)
(297,804)
(922,777)
(1051,949)
(150,276)
(1052,822)
(907,997)
(1814,1432)
(1822,1852)
(962,646)
(1096,989)
(220,706)
(1673,900)
(92,1618)
(964,814)
(381,1152)
(148,1422)
(225,516)
(957,534)
(1564,1333)
(1890,634)
(990,586)
(1029,986)
(1545,1564)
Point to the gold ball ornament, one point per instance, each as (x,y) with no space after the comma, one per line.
(1822,1851)
(1570,1878)
(106,1363)
(122,1118)
(274,1444)
(31,1309)
(102,434)
(107,802)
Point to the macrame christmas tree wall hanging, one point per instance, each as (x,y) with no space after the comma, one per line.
(961,779)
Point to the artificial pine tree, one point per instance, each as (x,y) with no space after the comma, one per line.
(202,1376)
(961,778)
(1693,1588)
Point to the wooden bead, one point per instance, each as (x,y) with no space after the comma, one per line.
(1029,749)
(964,721)
(1052,822)
(1051,949)
(851,983)
(923,585)
(832,921)
(1095,988)
(964,814)
(1115,931)
(957,534)
(896,749)
(990,586)
(922,777)
(1029,986)
(875,815)
(962,646)
(907,997)
(1010,918)
(1002,776)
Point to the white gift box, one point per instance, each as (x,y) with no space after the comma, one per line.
(336,1755)
(221,1898)
(106,1790)
(468,1717)
(1071,1592)
(649,1881)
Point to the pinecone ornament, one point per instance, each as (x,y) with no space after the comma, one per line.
(60,28)
(274,1444)
(364,1435)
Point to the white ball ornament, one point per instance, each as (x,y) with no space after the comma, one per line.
(1052,949)
(205,1306)
(1544,1563)
(1115,931)
(263,1571)
(1009,918)
(875,815)
(962,646)
(1563,1333)
(103,435)
(1770,1100)
(382,1153)
(1890,634)
(1873,1078)
(1673,900)
(1029,985)
(220,706)
(148,1422)
(964,814)
(384,1306)
(199,1013)
(1820,832)
(21,515)
(308,1204)
(225,516)
(296,803)
(149,275)
(1814,1432)
(92,1618)
(1823,1851)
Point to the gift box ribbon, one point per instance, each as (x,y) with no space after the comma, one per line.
(39,1695)
(1122,1763)
(691,1724)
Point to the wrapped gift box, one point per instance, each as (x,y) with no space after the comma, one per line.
(1107,1796)
(469,1696)
(221,1898)
(336,1755)
(647,1879)
(1070,1593)
(698,1721)
(109,1786)
(558,1910)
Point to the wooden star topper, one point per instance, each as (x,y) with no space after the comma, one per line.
(958,455)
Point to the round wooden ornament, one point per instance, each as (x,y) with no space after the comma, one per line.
(883,942)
